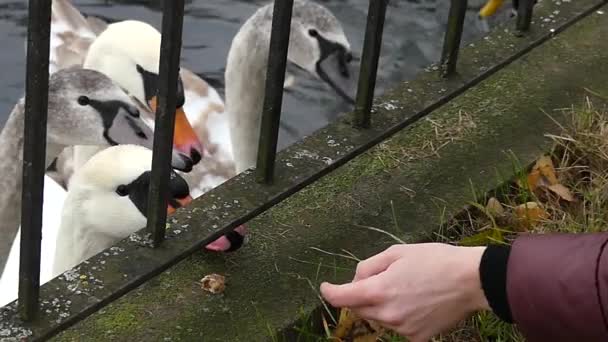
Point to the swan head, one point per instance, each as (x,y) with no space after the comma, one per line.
(111,189)
(129,53)
(87,108)
(317,43)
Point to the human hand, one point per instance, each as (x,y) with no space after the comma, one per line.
(417,290)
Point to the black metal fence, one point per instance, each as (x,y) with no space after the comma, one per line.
(173,12)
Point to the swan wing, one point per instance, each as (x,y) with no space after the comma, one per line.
(205,111)
(71,35)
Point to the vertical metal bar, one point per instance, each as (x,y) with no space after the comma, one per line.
(524,16)
(369,62)
(275,77)
(34,154)
(453,36)
(171,44)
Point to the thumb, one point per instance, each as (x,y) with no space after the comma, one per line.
(361,293)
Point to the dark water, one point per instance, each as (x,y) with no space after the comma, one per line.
(412,40)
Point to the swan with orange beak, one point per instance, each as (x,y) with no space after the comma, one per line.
(492,6)
(132,61)
(129,53)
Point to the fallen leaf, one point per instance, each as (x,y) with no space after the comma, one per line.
(546,168)
(529,215)
(483,238)
(214,283)
(494,207)
(562,192)
(353,328)
(542,174)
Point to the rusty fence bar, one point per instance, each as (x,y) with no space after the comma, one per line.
(275,78)
(369,62)
(453,36)
(171,44)
(34,155)
(524,15)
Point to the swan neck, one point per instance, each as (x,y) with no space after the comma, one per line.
(72,237)
(245,91)
(11,160)
(11,168)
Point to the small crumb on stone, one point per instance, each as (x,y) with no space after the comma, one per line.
(214,283)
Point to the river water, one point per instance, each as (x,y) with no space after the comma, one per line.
(412,40)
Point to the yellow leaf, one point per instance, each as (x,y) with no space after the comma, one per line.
(562,192)
(529,215)
(483,238)
(353,328)
(494,207)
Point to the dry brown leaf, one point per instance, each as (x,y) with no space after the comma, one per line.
(529,215)
(353,328)
(214,283)
(545,165)
(562,192)
(494,207)
(543,174)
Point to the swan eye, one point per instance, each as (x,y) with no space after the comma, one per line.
(348,57)
(313,32)
(122,190)
(84,101)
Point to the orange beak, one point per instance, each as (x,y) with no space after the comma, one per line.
(181,202)
(185,140)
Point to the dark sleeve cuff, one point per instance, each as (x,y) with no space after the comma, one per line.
(493,275)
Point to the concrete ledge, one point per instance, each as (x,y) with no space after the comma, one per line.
(407,186)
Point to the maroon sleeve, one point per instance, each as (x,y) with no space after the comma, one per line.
(557,286)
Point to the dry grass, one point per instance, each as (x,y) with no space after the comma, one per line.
(580,156)
(580,159)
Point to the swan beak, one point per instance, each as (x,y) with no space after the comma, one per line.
(335,70)
(185,140)
(178,203)
(230,241)
(490,8)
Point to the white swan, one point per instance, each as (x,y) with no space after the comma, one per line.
(229,134)
(131,60)
(54,197)
(84,107)
(106,203)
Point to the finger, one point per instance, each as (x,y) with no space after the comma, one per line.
(377,263)
(370,313)
(362,293)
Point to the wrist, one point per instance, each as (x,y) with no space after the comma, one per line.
(473,289)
